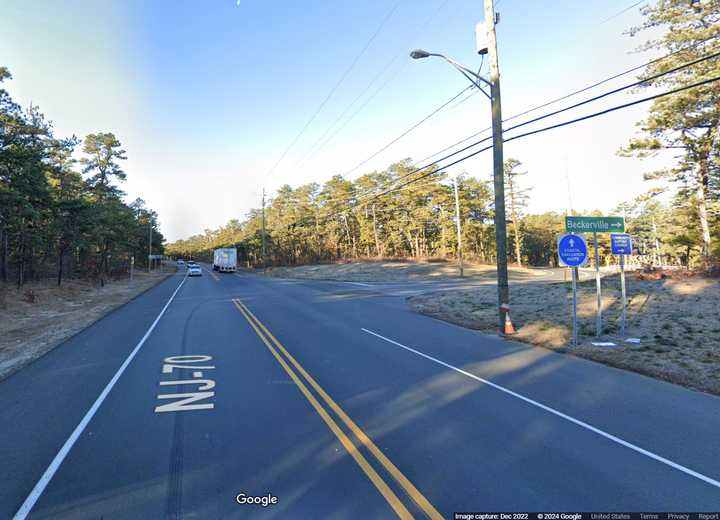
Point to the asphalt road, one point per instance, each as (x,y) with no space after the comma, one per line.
(341,403)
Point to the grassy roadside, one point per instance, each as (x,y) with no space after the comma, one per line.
(40,316)
(676,319)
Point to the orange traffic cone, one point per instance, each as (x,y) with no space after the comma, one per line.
(509,329)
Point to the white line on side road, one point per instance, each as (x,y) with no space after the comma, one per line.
(360,283)
(558,413)
(34,495)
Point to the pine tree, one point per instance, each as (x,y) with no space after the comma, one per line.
(688,120)
(517,200)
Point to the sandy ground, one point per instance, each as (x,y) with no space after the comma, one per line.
(396,271)
(676,319)
(40,316)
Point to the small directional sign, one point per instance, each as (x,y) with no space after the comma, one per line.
(621,244)
(594,224)
(572,250)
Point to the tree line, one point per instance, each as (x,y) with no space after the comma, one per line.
(312,224)
(62,216)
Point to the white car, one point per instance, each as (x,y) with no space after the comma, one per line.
(194,270)
(181,262)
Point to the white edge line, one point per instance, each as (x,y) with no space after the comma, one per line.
(34,495)
(578,422)
(362,284)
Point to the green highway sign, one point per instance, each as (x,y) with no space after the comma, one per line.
(594,224)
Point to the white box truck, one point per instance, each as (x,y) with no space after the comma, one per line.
(225,260)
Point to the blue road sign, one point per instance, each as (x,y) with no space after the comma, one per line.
(621,243)
(572,250)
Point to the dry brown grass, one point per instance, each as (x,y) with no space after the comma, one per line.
(677,319)
(390,270)
(40,316)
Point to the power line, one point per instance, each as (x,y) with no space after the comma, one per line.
(615,91)
(361,107)
(622,12)
(576,105)
(613,109)
(335,87)
(312,150)
(564,123)
(571,94)
(361,203)
(430,18)
(419,169)
(413,127)
(475,91)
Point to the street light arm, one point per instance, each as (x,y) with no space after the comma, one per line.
(472,76)
(465,70)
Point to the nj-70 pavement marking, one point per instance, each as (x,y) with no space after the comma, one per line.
(267,337)
(557,413)
(41,484)
(187,400)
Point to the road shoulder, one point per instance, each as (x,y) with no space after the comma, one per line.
(40,317)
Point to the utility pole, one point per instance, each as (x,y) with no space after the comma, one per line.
(459,228)
(375,232)
(149,242)
(498,175)
(263,232)
(658,257)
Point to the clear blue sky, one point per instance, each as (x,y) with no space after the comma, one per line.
(206,96)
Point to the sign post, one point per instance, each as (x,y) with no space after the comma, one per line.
(572,251)
(622,245)
(598,316)
(574,271)
(595,225)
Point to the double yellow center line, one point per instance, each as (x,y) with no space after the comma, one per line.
(300,378)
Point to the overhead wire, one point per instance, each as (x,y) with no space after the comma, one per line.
(571,94)
(335,87)
(557,125)
(406,132)
(314,148)
(576,105)
(365,103)
(622,12)
(395,187)
(311,153)
(361,203)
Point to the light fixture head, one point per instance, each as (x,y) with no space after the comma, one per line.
(418,54)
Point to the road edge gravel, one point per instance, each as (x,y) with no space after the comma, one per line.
(22,362)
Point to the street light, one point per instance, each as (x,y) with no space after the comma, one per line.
(419,54)
(490,46)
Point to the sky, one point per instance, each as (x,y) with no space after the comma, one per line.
(209,97)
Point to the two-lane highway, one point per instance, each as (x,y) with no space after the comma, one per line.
(334,400)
